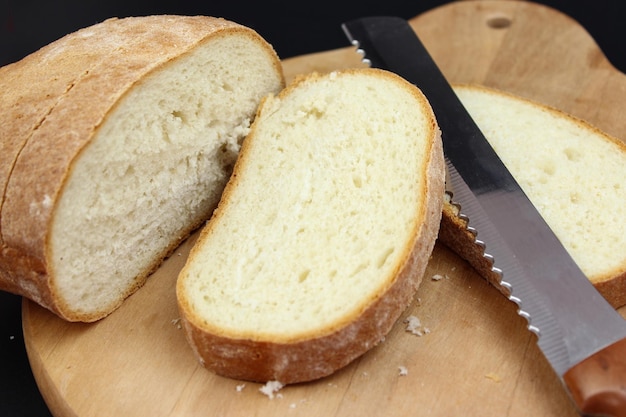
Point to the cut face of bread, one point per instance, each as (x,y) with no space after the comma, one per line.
(156,166)
(323,232)
(146,145)
(572,173)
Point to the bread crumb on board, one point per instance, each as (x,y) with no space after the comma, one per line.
(414,326)
(402,370)
(294,405)
(177,323)
(271,388)
(240,387)
(439,277)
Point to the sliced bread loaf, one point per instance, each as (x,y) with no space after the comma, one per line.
(138,125)
(573,173)
(323,232)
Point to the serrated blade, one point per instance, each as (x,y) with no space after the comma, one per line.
(571,319)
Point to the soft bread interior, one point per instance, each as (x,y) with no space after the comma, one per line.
(321,215)
(570,171)
(154,169)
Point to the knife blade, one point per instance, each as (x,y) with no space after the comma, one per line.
(581,335)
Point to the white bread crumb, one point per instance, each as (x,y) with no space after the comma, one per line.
(414,325)
(240,387)
(439,277)
(270,388)
(294,405)
(403,371)
(176,322)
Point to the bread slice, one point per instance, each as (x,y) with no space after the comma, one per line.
(572,172)
(323,232)
(128,152)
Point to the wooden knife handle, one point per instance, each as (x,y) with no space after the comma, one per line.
(598,384)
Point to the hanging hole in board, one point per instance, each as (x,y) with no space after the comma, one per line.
(499,22)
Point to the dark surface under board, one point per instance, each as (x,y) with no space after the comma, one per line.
(293,28)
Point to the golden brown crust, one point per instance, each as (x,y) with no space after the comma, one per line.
(30,88)
(321,354)
(613,289)
(43,150)
(24,275)
(454,234)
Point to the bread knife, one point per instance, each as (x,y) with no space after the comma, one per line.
(581,335)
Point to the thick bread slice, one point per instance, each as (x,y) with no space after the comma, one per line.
(129,158)
(572,172)
(323,232)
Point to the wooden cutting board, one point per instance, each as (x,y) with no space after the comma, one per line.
(477,359)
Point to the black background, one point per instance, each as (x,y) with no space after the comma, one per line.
(293,28)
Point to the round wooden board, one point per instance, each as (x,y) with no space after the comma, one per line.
(477,358)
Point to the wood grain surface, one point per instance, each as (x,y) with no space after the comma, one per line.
(477,359)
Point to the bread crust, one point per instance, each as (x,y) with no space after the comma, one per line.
(613,289)
(43,158)
(43,78)
(454,234)
(313,356)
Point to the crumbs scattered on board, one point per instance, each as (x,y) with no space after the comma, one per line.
(271,388)
(176,322)
(439,277)
(294,405)
(414,326)
(403,371)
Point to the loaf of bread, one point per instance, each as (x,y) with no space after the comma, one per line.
(572,172)
(117,141)
(323,232)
